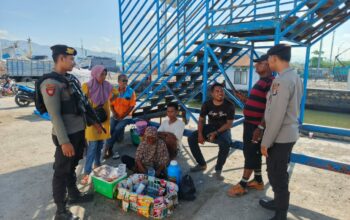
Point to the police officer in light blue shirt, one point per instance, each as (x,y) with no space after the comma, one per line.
(282,127)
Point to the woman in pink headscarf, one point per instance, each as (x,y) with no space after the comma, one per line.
(99,92)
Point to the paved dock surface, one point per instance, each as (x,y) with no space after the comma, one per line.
(26,153)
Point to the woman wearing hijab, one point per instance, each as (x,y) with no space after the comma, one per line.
(99,92)
(151,153)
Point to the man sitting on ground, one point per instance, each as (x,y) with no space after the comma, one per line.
(171,130)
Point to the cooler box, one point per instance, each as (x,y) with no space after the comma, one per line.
(104,187)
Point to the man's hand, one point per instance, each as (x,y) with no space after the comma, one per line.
(68,150)
(212,136)
(241,96)
(257,135)
(264,151)
(201,139)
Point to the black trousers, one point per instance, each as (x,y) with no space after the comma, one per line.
(277,166)
(224,141)
(64,176)
(251,151)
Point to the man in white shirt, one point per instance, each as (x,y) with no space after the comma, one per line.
(171,130)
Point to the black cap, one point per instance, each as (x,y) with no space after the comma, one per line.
(63,49)
(283,51)
(261,58)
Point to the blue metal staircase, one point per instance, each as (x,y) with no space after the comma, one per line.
(185,45)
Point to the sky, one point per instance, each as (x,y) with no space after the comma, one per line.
(62,21)
(96,23)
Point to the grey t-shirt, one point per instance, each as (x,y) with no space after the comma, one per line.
(282,109)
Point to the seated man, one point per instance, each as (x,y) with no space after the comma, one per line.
(121,107)
(151,153)
(221,114)
(171,130)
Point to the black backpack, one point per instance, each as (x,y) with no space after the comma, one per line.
(39,101)
(187,188)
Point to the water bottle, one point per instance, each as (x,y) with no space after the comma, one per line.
(151,171)
(174,172)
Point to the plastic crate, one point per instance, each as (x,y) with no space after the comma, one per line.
(105,188)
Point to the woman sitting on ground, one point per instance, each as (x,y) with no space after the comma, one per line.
(99,92)
(151,153)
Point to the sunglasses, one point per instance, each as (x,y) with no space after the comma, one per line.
(124,80)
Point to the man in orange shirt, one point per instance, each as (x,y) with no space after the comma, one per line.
(121,108)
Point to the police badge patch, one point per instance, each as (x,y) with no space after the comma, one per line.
(275,87)
(50,89)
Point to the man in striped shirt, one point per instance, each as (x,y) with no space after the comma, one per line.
(254,128)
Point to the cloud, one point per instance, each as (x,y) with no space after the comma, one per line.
(106,39)
(4,34)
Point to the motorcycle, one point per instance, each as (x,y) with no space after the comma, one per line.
(25,96)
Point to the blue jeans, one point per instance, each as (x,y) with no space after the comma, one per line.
(224,141)
(117,131)
(93,154)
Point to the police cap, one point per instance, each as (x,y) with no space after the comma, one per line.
(63,49)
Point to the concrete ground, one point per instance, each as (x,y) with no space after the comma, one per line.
(26,153)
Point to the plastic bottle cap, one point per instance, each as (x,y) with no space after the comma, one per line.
(173,162)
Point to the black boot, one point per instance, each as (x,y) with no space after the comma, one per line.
(63,214)
(280,215)
(268,204)
(75,196)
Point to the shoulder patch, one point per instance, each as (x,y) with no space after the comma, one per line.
(275,87)
(50,89)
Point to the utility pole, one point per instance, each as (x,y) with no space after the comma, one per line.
(330,56)
(319,59)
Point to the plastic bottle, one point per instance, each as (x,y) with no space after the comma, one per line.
(174,172)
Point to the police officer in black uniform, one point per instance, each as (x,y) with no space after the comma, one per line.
(67,133)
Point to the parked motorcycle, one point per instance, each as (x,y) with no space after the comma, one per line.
(25,96)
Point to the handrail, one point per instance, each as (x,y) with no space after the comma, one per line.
(169,53)
(180,40)
(137,13)
(127,5)
(145,47)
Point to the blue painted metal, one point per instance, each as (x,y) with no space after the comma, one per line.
(127,5)
(257,11)
(316,162)
(178,43)
(158,38)
(121,35)
(205,61)
(321,163)
(326,130)
(257,25)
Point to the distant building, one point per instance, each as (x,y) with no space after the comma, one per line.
(91,61)
(238,73)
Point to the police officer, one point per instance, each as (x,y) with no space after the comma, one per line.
(281,132)
(67,133)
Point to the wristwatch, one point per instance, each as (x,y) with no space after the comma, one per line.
(261,127)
